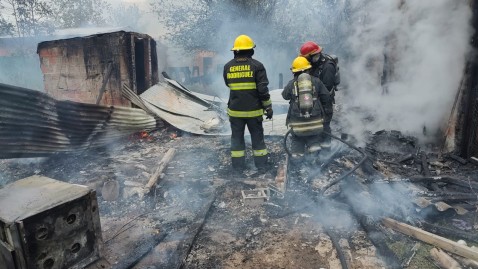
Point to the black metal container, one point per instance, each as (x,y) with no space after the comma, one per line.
(48,224)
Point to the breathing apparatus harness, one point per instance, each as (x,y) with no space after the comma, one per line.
(306,98)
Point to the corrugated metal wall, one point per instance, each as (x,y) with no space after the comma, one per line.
(34,124)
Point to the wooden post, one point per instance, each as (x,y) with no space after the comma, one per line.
(431,239)
(162,165)
(106,77)
(444,260)
(281,177)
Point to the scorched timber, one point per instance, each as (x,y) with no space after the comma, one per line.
(446,179)
(157,173)
(432,239)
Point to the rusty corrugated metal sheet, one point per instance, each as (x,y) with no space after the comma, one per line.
(441,206)
(34,124)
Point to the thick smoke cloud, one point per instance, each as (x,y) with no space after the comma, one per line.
(401,61)
(422,45)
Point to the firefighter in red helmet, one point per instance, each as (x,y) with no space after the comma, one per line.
(325,68)
(249,100)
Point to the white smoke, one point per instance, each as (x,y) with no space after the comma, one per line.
(427,41)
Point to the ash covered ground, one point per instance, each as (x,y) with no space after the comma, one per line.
(195,216)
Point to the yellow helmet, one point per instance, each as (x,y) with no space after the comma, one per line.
(243,42)
(300,64)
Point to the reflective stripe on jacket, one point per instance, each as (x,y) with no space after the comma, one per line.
(247,81)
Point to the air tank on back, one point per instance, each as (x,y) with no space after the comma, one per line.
(304,83)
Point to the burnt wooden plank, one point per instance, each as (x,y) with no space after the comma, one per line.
(424,160)
(431,239)
(157,173)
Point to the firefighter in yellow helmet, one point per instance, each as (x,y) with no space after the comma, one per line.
(307,96)
(249,100)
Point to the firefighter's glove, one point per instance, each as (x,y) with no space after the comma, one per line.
(269,113)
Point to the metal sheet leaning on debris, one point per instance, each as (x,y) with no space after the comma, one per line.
(188,114)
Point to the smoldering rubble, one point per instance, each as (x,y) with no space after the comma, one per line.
(195,216)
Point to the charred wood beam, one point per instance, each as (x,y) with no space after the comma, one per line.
(445,179)
(335,242)
(445,231)
(449,196)
(369,169)
(320,203)
(431,239)
(424,160)
(371,226)
(456,198)
(457,158)
(186,245)
(143,248)
(406,158)
(159,170)
(378,239)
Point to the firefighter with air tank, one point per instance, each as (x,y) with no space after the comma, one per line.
(307,97)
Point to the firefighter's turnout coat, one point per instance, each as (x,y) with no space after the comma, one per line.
(308,137)
(326,71)
(247,80)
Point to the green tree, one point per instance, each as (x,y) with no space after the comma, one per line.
(6,28)
(199,24)
(125,15)
(79,13)
(25,17)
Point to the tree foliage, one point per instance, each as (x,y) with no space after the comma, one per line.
(283,23)
(199,24)
(6,28)
(22,18)
(79,13)
(125,15)
(26,17)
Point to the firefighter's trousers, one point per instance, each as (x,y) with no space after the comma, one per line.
(329,112)
(300,143)
(238,146)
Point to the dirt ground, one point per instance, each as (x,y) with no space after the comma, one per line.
(196,218)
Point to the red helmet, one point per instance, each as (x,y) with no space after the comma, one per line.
(309,48)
